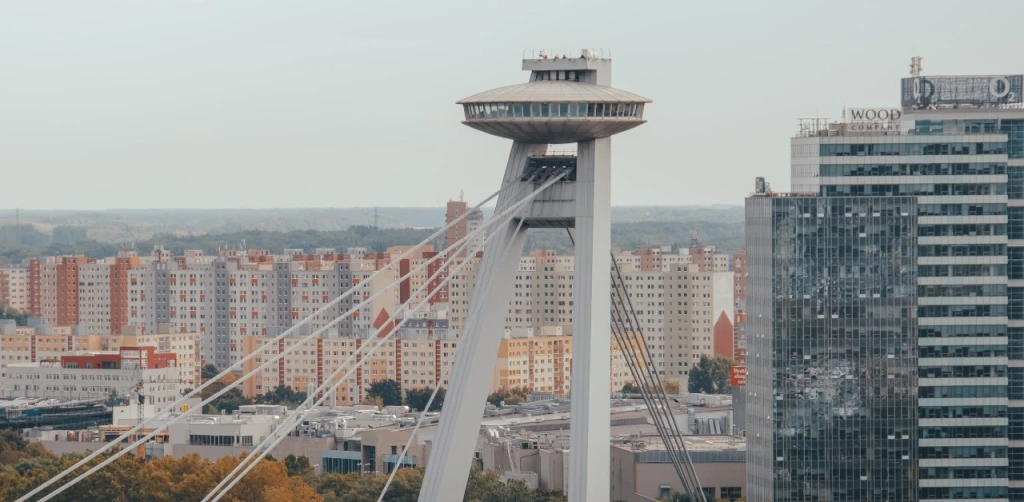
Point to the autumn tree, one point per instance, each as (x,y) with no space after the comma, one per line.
(510,396)
(372,401)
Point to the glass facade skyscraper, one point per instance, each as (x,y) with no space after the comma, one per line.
(957,148)
(832,402)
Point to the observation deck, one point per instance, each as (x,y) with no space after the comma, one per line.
(562,103)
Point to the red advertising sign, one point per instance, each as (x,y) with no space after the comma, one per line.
(739,376)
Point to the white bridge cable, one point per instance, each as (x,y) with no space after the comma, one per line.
(251,374)
(437,387)
(651,390)
(251,461)
(278,438)
(238,365)
(642,367)
(325,390)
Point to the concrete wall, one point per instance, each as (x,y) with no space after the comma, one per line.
(631,482)
(312,448)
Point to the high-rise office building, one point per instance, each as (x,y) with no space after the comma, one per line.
(956,145)
(832,411)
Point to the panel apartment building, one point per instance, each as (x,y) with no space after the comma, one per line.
(956,145)
(683,300)
(14,288)
(76,291)
(236,294)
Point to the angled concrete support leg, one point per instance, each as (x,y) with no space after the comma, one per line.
(453,447)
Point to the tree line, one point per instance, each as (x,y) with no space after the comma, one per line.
(25,465)
(726,235)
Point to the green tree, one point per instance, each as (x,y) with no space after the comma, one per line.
(387,391)
(20,318)
(209,371)
(710,375)
(229,401)
(630,388)
(416,399)
(282,394)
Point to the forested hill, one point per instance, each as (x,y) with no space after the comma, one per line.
(632,227)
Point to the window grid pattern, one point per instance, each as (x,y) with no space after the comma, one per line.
(1015,181)
(1015,222)
(1016,304)
(544,110)
(840,347)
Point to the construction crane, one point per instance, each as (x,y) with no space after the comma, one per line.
(138,391)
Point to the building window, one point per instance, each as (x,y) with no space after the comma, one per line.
(664,492)
(732,493)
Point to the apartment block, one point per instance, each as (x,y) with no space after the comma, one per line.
(15,291)
(36,344)
(128,372)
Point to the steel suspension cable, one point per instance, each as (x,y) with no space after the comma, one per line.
(249,375)
(618,329)
(651,389)
(657,388)
(659,409)
(277,439)
(173,420)
(173,406)
(437,387)
(496,218)
(452,253)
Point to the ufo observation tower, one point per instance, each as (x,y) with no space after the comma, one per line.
(566,100)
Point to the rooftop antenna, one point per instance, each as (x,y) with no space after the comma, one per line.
(462,195)
(915,66)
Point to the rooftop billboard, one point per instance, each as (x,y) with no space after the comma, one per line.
(969,90)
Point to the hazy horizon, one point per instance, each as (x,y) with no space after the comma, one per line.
(12,210)
(257,104)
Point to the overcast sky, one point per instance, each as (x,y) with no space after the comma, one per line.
(273,103)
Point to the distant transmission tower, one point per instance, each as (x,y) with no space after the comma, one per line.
(376,230)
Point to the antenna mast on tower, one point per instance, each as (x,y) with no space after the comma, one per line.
(915,66)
